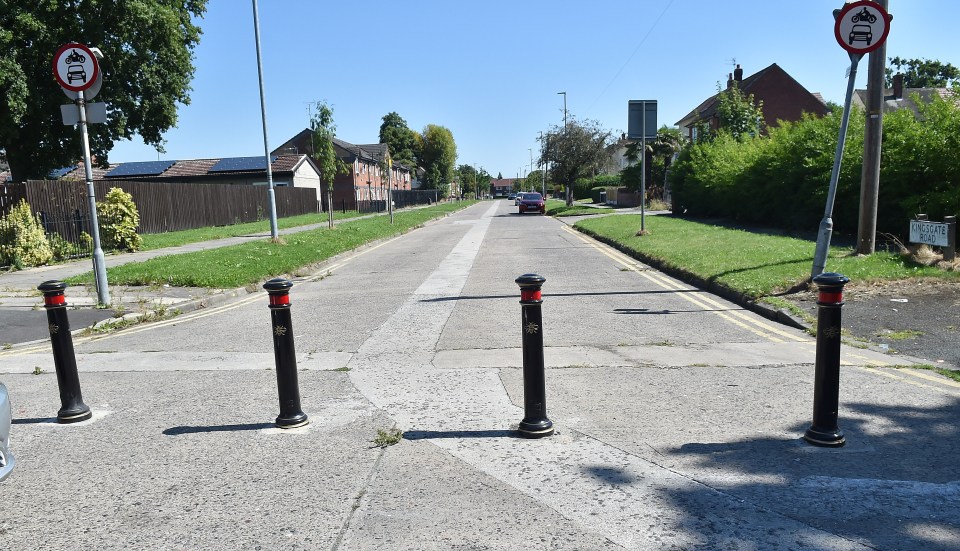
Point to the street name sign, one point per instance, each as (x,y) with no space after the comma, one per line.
(931,233)
(862,27)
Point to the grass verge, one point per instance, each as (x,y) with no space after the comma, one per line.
(755,264)
(247,263)
(153,241)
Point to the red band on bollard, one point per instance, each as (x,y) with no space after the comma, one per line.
(831,298)
(279,300)
(530,295)
(55,300)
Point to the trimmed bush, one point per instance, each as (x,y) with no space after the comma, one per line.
(22,241)
(119,219)
(782,180)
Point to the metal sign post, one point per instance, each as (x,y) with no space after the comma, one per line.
(642,123)
(860,28)
(76,68)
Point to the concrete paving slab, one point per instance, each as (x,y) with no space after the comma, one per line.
(185,462)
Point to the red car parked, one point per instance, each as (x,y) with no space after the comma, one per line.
(531,202)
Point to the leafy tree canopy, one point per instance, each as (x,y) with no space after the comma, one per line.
(324,153)
(438,154)
(740,115)
(401,140)
(147,67)
(576,150)
(922,73)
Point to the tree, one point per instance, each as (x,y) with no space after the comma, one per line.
(576,150)
(400,139)
(922,73)
(468,177)
(324,155)
(483,180)
(437,157)
(741,116)
(147,68)
(660,153)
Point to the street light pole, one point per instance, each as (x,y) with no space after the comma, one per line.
(263,114)
(564,94)
(568,199)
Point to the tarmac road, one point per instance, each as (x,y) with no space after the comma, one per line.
(678,418)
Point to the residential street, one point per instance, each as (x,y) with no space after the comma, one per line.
(678,417)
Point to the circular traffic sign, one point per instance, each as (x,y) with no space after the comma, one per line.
(862,27)
(75,67)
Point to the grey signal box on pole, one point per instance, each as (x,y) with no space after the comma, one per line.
(642,119)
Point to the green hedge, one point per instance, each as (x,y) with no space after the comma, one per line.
(782,180)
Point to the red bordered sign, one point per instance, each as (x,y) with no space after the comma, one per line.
(75,67)
(862,27)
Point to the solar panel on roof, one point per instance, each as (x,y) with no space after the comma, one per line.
(58,173)
(240,164)
(143,168)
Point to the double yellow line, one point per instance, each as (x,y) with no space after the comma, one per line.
(759,327)
(698,298)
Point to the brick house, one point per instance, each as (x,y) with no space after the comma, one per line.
(502,187)
(783,99)
(366,179)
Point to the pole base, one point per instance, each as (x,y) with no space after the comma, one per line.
(294,421)
(536,429)
(65,417)
(825,438)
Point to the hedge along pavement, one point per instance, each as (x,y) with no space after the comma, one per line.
(735,262)
(248,263)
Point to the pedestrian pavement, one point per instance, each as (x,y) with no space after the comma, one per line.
(21,315)
(655,448)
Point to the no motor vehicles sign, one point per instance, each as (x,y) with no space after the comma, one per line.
(862,27)
(75,67)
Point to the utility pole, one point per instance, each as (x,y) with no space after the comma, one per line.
(870,174)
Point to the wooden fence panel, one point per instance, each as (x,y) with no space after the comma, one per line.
(10,195)
(171,206)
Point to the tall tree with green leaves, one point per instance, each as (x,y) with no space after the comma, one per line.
(438,154)
(324,155)
(922,73)
(147,68)
(401,140)
(740,115)
(576,150)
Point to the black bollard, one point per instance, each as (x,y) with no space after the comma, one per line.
(826,387)
(535,423)
(291,416)
(72,408)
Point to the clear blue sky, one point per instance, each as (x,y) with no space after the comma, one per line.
(490,71)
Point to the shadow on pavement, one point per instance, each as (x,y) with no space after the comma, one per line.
(176,431)
(434,434)
(895,485)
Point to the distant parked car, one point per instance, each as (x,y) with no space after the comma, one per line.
(531,202)
(6,418)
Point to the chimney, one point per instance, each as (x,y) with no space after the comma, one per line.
(898,86)
(729,80)
(738,74)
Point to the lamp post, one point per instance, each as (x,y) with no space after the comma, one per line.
(564,94)
(274,234)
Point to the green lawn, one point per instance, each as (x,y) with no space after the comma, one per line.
(153,241)
(239,265)
(753,263)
